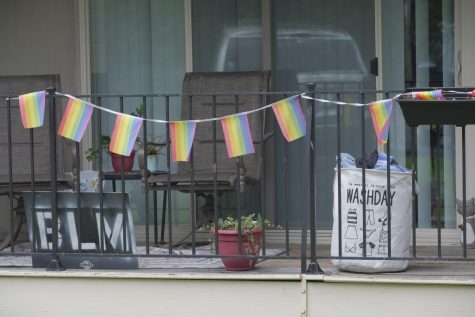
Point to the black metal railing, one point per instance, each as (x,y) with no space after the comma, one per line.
(305,153)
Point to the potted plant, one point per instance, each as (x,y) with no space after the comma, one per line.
(154,147)
(92,154)
(116,159)
(228,241)
(152,157)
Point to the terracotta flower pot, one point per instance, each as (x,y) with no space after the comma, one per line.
(128,161)
(228,244)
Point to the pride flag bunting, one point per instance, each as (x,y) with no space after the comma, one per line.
(428,95)
(181,135)
(75,119)
(236,130)
(237,135)
(290,117)
(32,109)
(381,115)
(125,133)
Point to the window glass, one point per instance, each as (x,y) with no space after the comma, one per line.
(226,35)
(329,43)
(138,47)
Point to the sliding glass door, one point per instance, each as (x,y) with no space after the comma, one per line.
(138,47)
(331,44)
(141,47)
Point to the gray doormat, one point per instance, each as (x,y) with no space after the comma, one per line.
(160,258)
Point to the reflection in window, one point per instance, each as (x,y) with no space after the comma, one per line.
(226,35)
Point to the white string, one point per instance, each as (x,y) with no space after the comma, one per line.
(165,121)
(109,110)
(302,95)
(459,92)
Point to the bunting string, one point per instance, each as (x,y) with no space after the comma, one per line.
(238,138)
(165,121)
(109,110)
(302,95)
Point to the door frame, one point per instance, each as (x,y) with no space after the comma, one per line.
(464,77)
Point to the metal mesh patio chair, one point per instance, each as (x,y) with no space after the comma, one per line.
(21,167)
(216,94)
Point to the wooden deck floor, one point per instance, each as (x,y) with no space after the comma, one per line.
(426,271)
(433,268)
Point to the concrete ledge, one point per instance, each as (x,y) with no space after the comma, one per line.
(396,278)
(36,292)
(145,274)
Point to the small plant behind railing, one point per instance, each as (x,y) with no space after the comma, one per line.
(92,154)
(246,243)
(154,147)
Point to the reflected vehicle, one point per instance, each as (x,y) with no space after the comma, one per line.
(318,56)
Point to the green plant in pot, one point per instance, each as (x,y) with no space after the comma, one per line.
(153,152)
(228,241)
(154,147)
(92,154)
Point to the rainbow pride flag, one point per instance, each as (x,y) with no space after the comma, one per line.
(181,135)
(237,135)
(428,95)
(381,115)
(75,119)
(125,133)
(32,109)
(290,117)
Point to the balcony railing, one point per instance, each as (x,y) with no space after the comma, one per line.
(102,221)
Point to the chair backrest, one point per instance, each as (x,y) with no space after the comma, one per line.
(14,86)
(231,83)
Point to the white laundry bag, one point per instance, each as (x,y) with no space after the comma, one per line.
(376,220)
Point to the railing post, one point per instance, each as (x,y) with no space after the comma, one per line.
(10,175)
(310,146)
(464,194)
(388,188)
(55,264)
(363,171)
(414,194)
(169,188)
(145,177)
